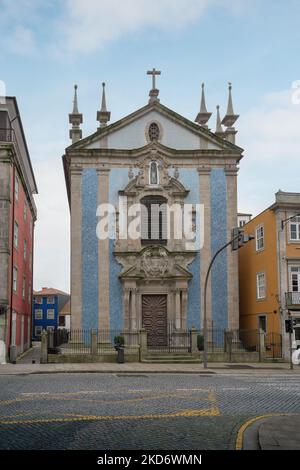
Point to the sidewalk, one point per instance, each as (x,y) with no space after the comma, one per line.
(24,367)
(33,354)
(273,433)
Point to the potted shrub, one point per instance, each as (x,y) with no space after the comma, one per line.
(119,347)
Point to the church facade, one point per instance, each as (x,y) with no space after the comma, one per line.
(151,278)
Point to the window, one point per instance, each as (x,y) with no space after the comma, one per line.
(29,293)
(50,328)
(50,314)
(16,188)
(38,314)
(50,300)
(62,320)
(153,131)
(15,279)
(295,279)
(38,330)
(242,223)
(16,234)
(4,125)
(154,220)
(38,300)
(260,286)
(25,211)
(295,229)
(153,173)
(24,288)
(259,238)
(25,249)
(31,225)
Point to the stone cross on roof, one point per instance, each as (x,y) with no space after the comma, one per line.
(153,72)
(154,91)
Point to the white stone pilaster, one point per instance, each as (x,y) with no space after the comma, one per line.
(232,256)
(205,252)
(133,325)
(177,309)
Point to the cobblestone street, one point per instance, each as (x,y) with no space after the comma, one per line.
(126,411)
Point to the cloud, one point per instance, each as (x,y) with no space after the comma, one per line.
(18,22)
(20,42)
(269,133)
(88,26)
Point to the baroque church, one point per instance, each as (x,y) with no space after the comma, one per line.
(154,157)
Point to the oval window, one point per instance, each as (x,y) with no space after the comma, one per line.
(153,131)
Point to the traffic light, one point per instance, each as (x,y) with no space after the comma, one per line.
(289,325)
(239,238)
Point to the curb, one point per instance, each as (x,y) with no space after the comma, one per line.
(248,423)
(123,372)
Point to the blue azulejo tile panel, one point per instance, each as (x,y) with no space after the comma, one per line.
(89,249)
(194,304)
(118,180)
(219,292)
(115,291)
(190,179)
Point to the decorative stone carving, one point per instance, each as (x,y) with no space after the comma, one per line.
(154,261)
(141,177)
(130,173)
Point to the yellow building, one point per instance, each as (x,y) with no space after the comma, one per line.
(269,272)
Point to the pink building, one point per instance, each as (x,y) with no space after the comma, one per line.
(17,218)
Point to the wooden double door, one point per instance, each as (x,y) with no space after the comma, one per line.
(154,319)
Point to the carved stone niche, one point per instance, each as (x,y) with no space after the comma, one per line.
(137,188)
(155,263)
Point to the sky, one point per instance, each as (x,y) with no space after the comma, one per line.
(48,46)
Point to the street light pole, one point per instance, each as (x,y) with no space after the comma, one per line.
(204,306)
(239,237)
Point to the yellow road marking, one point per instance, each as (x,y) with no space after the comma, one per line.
(176,414)
(208,411)
(241,431)
(47,396)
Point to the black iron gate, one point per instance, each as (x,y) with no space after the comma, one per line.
(176,341)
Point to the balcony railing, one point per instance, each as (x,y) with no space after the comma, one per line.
(6,135)
(292,300)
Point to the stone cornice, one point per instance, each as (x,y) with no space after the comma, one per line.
(146,150)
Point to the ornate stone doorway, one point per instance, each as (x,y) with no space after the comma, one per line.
(154,318)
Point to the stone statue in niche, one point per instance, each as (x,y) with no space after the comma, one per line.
(153,173)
